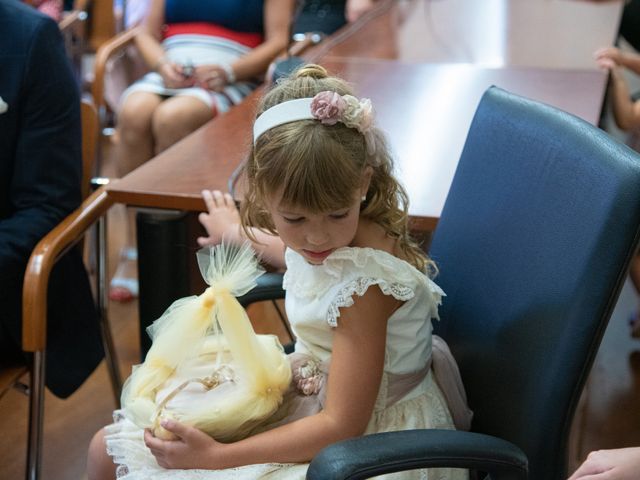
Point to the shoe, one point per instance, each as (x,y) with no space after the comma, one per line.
(123,287)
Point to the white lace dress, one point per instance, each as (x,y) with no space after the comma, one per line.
(315,295)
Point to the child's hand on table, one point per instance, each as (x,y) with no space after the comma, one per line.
(222,219)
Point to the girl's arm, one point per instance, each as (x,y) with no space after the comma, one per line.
(353,383)
(628,60)
(626,112)
(277,17)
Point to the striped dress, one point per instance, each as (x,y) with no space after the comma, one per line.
(210,32)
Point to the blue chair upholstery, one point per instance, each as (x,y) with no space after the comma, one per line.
(533,245)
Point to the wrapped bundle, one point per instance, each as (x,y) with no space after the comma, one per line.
(207,367)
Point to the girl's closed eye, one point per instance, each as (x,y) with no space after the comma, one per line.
(340,215)
(293,219)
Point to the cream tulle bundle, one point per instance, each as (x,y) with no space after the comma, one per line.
(207,367)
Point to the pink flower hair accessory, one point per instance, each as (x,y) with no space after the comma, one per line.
(331,108)
(328,107)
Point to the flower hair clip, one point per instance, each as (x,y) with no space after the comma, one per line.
(327,107)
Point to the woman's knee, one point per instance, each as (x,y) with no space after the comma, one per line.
(135,116)
(177,117)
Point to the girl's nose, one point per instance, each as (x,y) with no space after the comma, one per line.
(317,237)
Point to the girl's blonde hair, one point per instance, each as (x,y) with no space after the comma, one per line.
(318,167)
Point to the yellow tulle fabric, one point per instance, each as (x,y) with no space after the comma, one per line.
(207,367)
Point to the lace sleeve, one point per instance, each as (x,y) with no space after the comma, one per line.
(359,286)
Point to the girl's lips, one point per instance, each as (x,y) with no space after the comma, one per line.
(318,255)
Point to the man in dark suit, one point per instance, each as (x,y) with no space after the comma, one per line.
(40,176)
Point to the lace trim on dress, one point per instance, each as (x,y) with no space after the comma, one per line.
(359,286)
(313,281)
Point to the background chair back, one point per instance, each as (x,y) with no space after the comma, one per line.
(89,118)
(533,245)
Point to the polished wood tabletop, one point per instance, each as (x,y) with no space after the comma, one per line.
(425,109)
(204,159)
(560,34)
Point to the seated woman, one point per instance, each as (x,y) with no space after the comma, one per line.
(206,57)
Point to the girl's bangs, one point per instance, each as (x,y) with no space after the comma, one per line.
(315,175)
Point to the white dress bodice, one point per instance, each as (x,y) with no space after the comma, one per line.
(315,294)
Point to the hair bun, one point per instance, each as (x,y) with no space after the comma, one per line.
(311,70)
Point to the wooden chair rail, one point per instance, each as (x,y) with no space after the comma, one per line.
(71,20)
(89,118)
(44,256)
(104,53)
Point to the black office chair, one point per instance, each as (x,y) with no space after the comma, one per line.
(533,245)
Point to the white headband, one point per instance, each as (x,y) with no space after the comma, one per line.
(327,107)
(286,112)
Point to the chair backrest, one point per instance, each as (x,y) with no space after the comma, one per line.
(533,246)
(89,118)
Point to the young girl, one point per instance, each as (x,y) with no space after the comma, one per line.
(321,201)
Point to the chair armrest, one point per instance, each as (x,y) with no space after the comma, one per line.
(36,279)
(269,288)
(114,46)
(377,454)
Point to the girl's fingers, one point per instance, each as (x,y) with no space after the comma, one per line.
(208,199)
(218,198)
(203,241)
(154,444)
(228,200)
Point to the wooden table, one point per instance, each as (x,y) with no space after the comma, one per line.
(425,109)
(559,34)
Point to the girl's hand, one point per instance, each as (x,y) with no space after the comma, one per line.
(222,219)
(211,77)
(192,449)
(356,8)
(172,76)
(608,55)
(616,464)
(606,63)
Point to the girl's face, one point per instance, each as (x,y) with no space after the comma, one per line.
(316,235)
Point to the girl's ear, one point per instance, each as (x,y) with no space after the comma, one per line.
(366,180)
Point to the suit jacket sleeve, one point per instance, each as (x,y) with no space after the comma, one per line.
(45,183)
